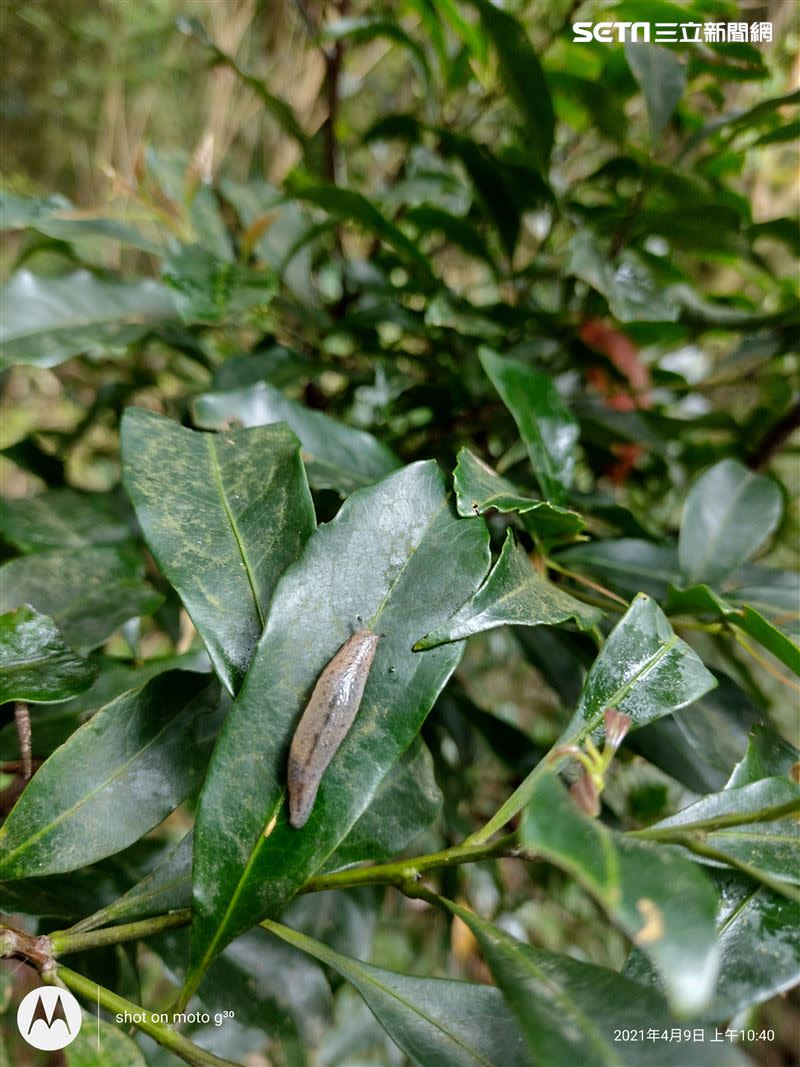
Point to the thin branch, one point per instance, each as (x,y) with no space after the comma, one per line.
(774,439)
(148,1022)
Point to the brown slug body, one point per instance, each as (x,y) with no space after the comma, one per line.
(328,716)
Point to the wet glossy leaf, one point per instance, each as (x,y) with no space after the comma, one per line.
(660,900)
(523,79)
(729,514)
(88,592)
(662,77)
(116,778)
(397,556)
(571,1010)
(224,515)
(35,663)
(758,945)
(768,798)
(405,803)
(545,422)
(480,489)
(46,320)
(644,670)
(435,1021)
(760,952)
(514,594)
(336,456)
(64,518)
(700,745)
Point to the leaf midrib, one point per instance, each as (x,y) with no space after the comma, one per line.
(220,487)
(121,768)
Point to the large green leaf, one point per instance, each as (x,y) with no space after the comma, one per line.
(729,514)
(46,320)
(480,489)
(523,78)
(659,899)
(662,77)
(52,725)
(758,802)
(514,594)
(545,423)
(35,663)
(336,456)
(224,515)
(759,947)
(571,1011)
(276,990)
(435,1021)
(397,556)
(64,518)
(758,943)
(405,803)
(644,670)
(700,745)
(116,778)
(88,592)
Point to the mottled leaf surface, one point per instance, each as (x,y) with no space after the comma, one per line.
(644,670)
(336,456)
(397,556)
(224,515)
(405,803)
(514,594)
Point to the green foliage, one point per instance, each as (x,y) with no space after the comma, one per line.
(499,361)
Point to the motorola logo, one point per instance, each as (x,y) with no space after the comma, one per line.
(49,1018)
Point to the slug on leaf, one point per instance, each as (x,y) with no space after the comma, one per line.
(328,716)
